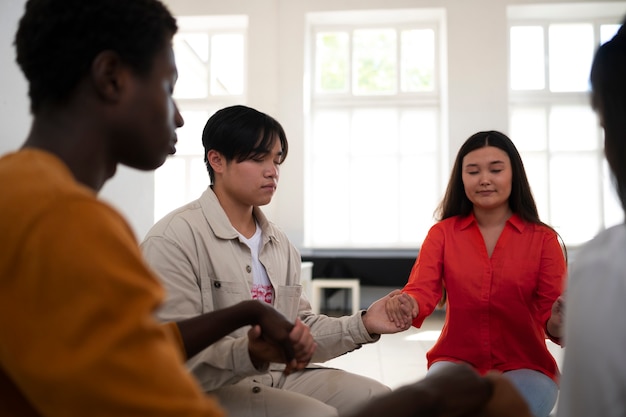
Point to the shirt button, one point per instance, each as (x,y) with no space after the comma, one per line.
(217,284)
(248,269)
(256,390)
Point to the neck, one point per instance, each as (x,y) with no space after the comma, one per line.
(492,217)
(240,215)
(74,140)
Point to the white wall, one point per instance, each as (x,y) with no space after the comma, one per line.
(130,191)
(477,80)
(14,114)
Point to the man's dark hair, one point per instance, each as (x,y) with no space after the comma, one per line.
(57,41)
(240,133)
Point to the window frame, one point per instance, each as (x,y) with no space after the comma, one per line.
(349,102)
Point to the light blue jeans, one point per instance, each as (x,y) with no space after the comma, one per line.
(539,390)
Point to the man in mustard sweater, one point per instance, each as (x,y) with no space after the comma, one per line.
(77,332)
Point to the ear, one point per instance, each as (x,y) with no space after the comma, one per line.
(217,161)
(109,75)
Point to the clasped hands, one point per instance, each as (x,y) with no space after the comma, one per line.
(276,339)
(401,309)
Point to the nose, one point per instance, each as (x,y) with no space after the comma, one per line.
(485,179)
(272,170)
(178,118)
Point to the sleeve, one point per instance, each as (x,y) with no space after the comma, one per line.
(552,280)
(225,362)
(425,282)
(83,340)
(334,336)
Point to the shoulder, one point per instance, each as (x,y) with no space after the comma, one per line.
(189,215)
(453,224)
(605,252)
(447,229)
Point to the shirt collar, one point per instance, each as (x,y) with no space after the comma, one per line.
(218,220)
(515,221)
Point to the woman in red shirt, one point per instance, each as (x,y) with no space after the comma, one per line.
(501,269)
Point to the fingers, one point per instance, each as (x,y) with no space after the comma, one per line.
(303,343)
(254,332)
(401,309)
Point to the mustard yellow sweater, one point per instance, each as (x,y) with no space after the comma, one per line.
(77,333)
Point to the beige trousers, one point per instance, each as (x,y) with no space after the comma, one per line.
(313,392)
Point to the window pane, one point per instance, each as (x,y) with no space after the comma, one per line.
(571,51)
(380,176)
(420,194)
(374,132)
(190,135)
(576,210)
(419,132)
(192,57)
(198,177)
(607,32)
(527,58)
(418,60)
(168,193)
(330,201)
(227,64)
(332,62)
(573,128)
(536,167)
(529,128)
(331,133)
(374,61)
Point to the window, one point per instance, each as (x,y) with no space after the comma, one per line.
(210,55)
(373,150)
(551,120)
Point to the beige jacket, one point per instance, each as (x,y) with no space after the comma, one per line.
(204,266)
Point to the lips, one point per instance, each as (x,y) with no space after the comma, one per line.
(173,143)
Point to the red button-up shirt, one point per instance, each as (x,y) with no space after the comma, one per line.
(497,307)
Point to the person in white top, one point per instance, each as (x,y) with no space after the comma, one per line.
(593,381)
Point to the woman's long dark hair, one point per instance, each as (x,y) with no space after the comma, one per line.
(456,203)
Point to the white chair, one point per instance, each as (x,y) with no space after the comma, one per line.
(319,284)
(306,275)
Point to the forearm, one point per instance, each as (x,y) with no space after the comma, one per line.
(337,335)
(201,331)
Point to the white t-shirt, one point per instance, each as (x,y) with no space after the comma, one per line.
(261,286)
(593,381)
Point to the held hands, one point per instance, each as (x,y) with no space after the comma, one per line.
(401,309)
(275,339)
(377,320)
(556,320)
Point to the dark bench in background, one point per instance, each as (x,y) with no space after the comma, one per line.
(379,268)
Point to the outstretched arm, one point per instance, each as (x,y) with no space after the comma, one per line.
(378,321)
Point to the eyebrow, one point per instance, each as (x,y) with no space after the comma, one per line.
(490,163)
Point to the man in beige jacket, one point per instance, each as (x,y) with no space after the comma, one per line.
(221,249)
